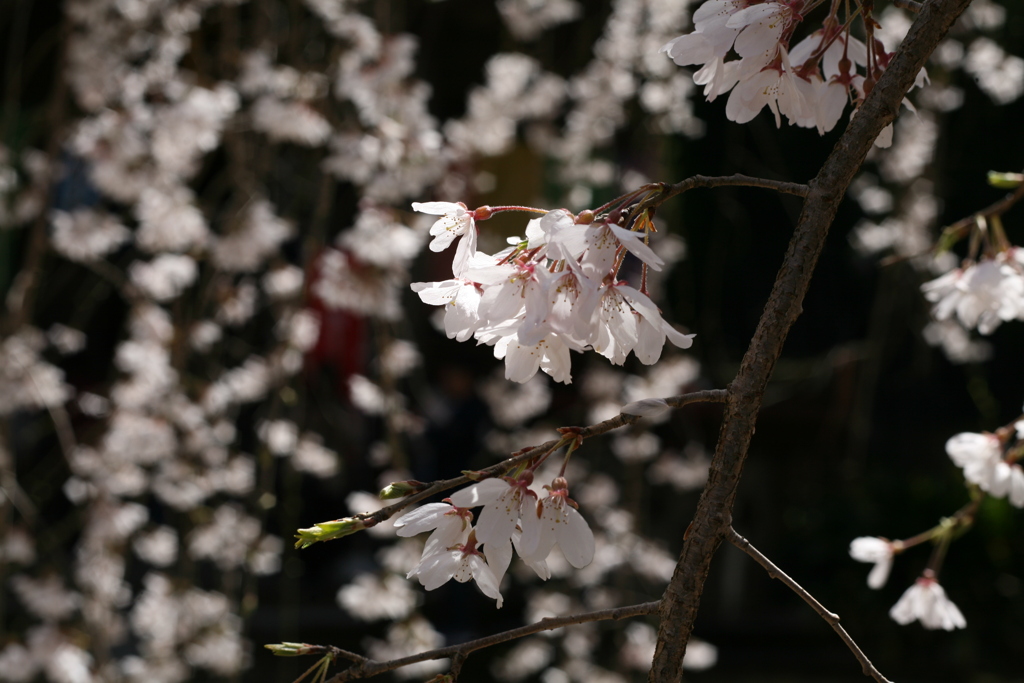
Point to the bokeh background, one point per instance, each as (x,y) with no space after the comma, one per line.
(339,114)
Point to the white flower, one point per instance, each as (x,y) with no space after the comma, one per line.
(555,520)
(456,220)
(776,87)
(981,457)
(926,602)
(982,295)
(503,499)
(449,523)
(876,550)
(461,301)
(550,354)
(758,43)
(461,562)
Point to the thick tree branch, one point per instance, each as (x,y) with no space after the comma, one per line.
(369,667)
(714,511)
(833,619)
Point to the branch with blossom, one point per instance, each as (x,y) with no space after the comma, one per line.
(414,492)
(714,512)
(831,618)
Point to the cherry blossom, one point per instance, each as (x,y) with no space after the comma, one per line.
(553,292)
(811,90)
(876,550)
(461,299)
(981,457)
(503,500)
(926,602)
(556,520)
(982,295)
(455,221)
(462,562)
(448,522)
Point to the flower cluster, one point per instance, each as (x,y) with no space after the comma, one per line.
(925,601)
(513,515)
(983,294)
(553,291)
(809,83)
(989,462)
(985,463)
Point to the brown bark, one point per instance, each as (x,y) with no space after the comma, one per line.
(713,518)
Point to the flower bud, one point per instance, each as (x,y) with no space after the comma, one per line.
(1005,181)
(585,217)
(482,213)
(292,649)
(400,489)
(328,531)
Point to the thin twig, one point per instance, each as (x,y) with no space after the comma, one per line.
(459,653)
(832,618)
(621,420)
(736,180)
(997,208)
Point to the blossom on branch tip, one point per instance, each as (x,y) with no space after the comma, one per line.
(455,221)
(876,550)
(926,602)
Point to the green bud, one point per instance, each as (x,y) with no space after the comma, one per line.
(328,531)
(292,649)
(1005,181)
(400,489)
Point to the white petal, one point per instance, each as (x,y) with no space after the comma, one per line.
(539,566)
(480,493)
(635,244)
(498,520)
(575,538)
(499,556)
(485,578)
(421,519)
(880,573)
(538,537)
(452,531)
(465,251)
(436,208)
(437,569)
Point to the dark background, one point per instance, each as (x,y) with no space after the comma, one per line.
(849,443)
